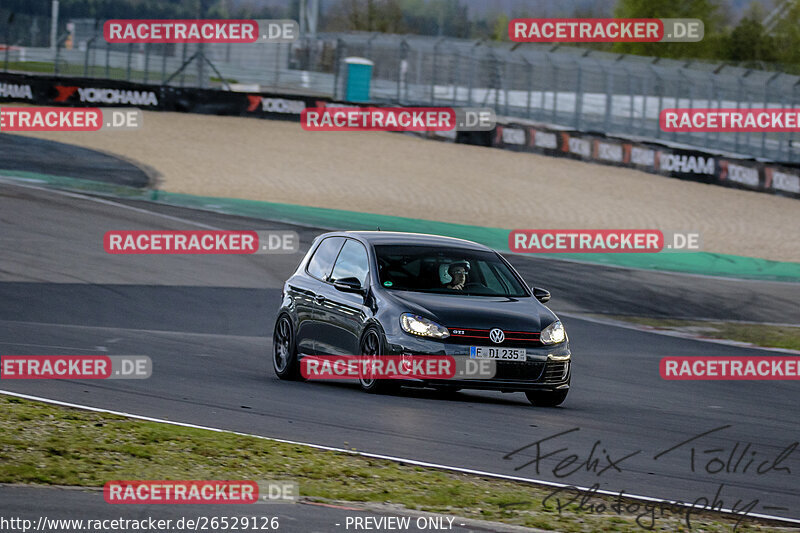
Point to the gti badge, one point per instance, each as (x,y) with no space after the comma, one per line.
(497,335)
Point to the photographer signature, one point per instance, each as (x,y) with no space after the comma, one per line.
(739,459)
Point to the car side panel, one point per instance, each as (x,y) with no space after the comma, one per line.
(302,293)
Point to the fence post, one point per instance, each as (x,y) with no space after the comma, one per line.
(503,82)
(340,47)
(146,61)
(783,137)
(578,96)
(528,84)
(62,39)
(8,40)
(454,76)
(630,97)
(434,69)
(660,90)
(86,58)
(163,63)
(277,78)
(790,155)
(496,80)
(183,63)
(89,49)
(609,75)
(712,91)
(108,59)
(57,57)
(372,78)
(472,72)
(715,95)
(678,98)
(645,85)
(738,105)
(128,67)
(553,117)
(767,88)
(402,71)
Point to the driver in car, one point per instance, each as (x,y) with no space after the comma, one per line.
(458,275)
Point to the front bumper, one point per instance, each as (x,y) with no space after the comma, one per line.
(546,368)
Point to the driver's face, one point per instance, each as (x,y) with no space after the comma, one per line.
(459,274)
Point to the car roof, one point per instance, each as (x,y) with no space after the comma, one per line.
(397,237)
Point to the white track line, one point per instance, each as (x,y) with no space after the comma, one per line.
(676,334)
(384,457)
(5,179)
(655,271)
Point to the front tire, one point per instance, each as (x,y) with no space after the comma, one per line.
(547,398)
(372,344)
(284,350)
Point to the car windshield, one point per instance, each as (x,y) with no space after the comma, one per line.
(457,271)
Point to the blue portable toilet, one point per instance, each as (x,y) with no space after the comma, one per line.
(359,76)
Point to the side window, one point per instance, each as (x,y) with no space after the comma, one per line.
(322,261)
(498,279)
(490,278)
(353,262)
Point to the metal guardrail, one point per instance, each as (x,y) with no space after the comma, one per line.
(566,86)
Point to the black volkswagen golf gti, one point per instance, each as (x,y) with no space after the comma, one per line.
(385,293)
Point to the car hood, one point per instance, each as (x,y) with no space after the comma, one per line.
(480,312)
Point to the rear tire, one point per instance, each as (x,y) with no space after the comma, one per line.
(284,350)
(547,398)
(372,344)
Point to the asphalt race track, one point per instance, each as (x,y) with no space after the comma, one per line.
(206,322)
(38,155)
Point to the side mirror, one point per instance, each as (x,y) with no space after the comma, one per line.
(348,285)
(541,294)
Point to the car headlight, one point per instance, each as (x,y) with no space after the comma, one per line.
(553,334)
(417,325)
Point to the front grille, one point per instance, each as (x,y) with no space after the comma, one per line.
(556,372)
(480,337)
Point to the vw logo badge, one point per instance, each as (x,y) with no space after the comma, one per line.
(497,336)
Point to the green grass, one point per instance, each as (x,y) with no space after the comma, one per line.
(98,71)
(30,66)
(46,444)
(769,336)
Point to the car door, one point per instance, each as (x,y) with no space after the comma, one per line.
(302,290)
(308,288)
(342,314)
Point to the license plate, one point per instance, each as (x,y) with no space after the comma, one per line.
(502,354)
